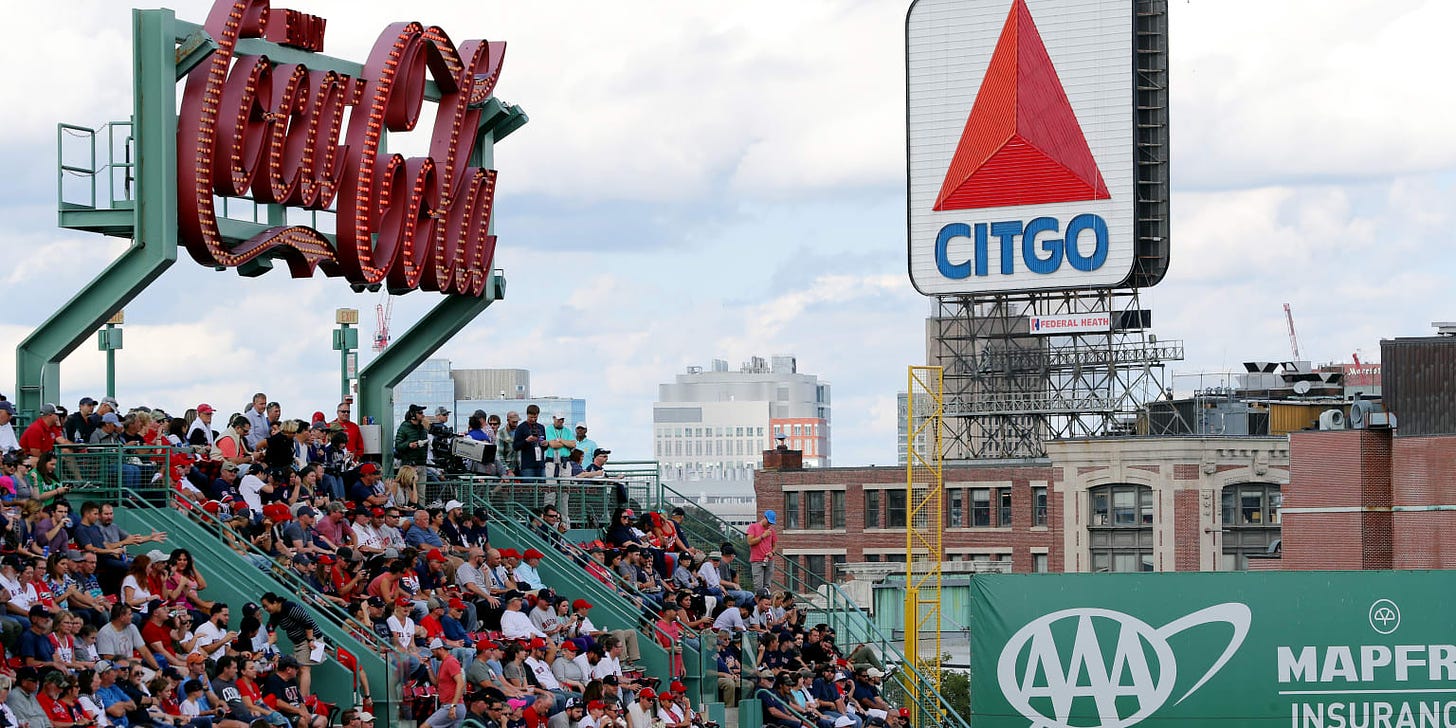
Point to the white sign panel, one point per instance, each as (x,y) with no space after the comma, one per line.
(1075,323)
(1020,146)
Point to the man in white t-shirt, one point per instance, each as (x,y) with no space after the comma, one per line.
(515,624)
(18,593)
(213,635)
(252,486)
(368,536)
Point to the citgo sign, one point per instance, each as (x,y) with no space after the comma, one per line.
(1020,144)
(1300,649)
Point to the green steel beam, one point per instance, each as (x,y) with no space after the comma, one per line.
(154,242)
(377,379)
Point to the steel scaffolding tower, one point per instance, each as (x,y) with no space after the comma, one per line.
(1008,391)
(925,527)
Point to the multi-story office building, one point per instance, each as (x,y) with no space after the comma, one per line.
(462,391)
(714,424)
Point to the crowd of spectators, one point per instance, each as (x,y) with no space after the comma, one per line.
(100,634)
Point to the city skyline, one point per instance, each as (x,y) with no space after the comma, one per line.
(732,183)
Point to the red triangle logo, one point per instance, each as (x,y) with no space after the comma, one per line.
(1022,144)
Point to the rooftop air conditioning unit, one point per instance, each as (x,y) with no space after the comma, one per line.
(1332,419)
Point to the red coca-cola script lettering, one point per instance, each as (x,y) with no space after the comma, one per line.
(253,128)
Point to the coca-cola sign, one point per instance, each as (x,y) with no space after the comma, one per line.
(287,134)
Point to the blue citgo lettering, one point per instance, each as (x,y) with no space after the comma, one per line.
(1086,221)
(1052,246)
(1007,231)
(942,245)
(981,249)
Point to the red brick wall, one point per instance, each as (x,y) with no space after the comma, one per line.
(855,540)
(1187,534)
(1424,476)
(1339,469)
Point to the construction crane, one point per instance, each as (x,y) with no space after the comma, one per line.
(382,312)
(1293,340)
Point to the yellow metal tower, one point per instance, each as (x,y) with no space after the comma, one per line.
(925,527)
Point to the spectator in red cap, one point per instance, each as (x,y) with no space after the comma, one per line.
(528,578)
(369,488)
(566,669)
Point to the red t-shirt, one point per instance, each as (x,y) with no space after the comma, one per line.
(38,436)
(445,679)
(432,626)
(763,550)
(356,438)
(153,632)
(54,708)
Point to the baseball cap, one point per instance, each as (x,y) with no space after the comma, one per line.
(368,469)
(536,643)
(517,703)
(7,406)
(484,645)
(302,559)
(533,554)
(611,680)
(287,661)
(376,512)
(437,644)
(647,694)
(376,602)
(110,418)
(677,687)
(570,645)
(771,517)
(453,504)
(104,665)
(715,555)
(436,556)
(229,465)
(593,705)
(581,604)
(904,712)
(87,400)
(196,657)
(109,400)
(47,409)
(307,511)
(874,672)
(441,411)
(455,603)
(510,554)
(601,451)
(402,602)
(204,409)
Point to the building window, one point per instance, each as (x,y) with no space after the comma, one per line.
(814,566)
(791,510)
(836,509)
(1121,530)
(1039,563)
(814,503)
(872,558)
(954,507)
(872,509)
(1250,522)
(980,507)
(895,508)
(1039,506)
(1003,507)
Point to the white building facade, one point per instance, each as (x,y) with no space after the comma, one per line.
(713,424)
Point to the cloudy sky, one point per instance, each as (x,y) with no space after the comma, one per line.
(705,180)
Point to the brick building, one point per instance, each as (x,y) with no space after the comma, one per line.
(1109,504)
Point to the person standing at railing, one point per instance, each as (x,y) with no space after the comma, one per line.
(8,441)
(44,433)
(355,438)
(762,542)
(80,424)
(530,445)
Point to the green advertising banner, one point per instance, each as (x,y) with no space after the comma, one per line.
(1357,649)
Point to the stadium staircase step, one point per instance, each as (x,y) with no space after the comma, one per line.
(234,580)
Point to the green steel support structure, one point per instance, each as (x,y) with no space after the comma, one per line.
(153,228)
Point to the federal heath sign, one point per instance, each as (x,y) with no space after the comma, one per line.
(1299,649)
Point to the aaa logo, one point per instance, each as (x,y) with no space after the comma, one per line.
(1052,668)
